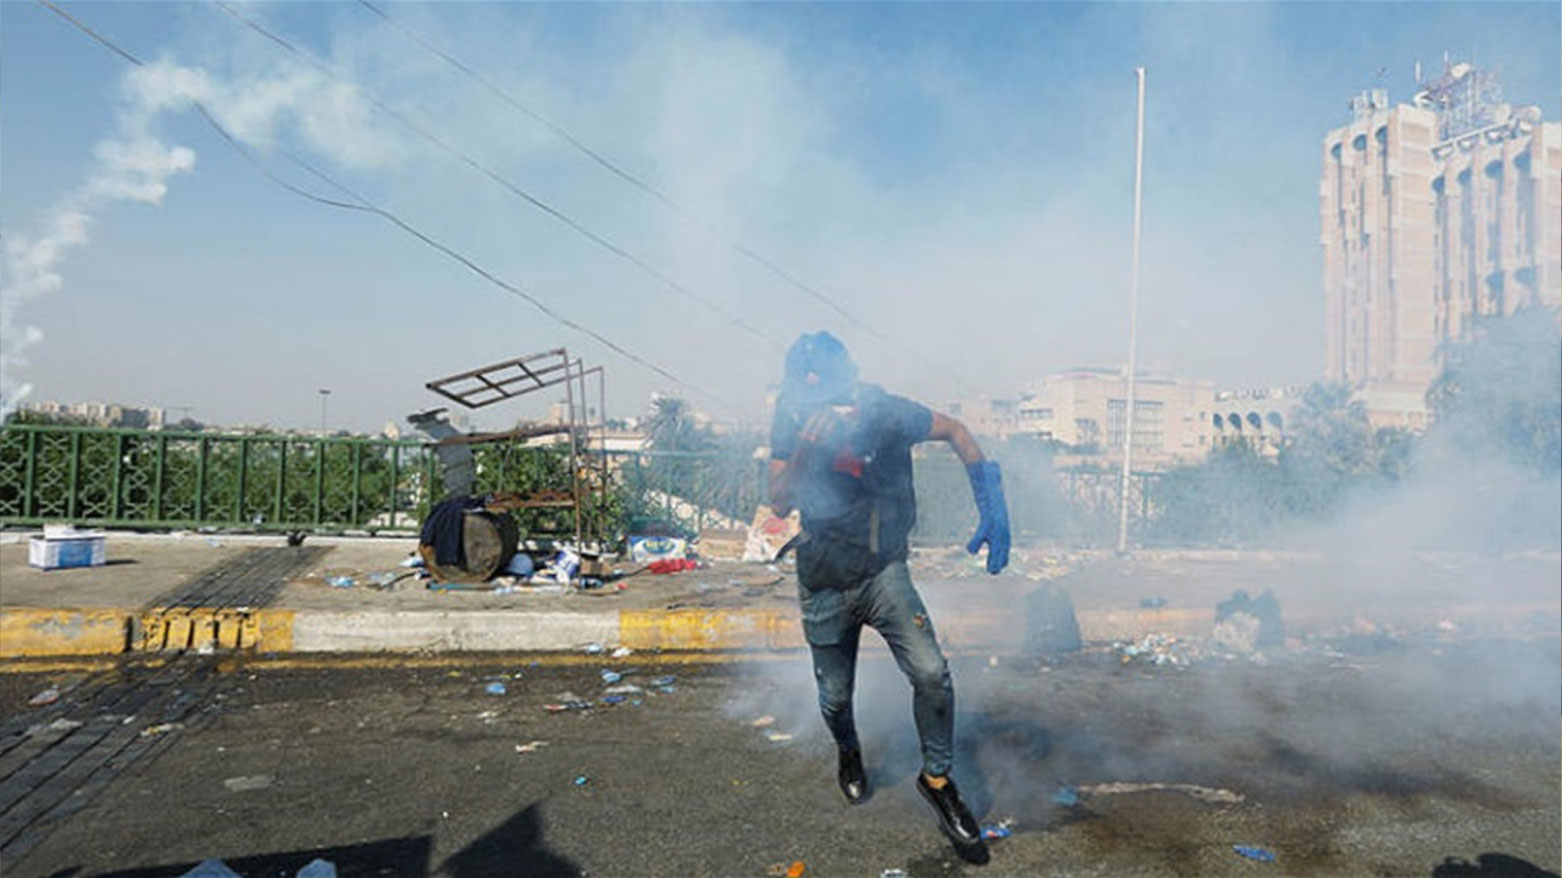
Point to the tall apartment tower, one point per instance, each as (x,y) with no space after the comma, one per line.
(1434,214)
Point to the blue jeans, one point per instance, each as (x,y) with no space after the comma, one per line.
(832,623)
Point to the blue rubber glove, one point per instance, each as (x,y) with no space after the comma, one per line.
(987,485)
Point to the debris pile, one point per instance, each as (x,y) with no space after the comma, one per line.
(1159,649)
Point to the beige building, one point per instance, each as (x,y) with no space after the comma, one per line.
(1434,214)
(1086,409)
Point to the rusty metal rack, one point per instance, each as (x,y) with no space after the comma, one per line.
(510,379)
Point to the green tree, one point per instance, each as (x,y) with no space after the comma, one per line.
(1330,437)
(670,426)
(1500,392)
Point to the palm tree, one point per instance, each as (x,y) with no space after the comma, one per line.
(670,425)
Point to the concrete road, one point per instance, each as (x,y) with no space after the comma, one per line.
(1425,759)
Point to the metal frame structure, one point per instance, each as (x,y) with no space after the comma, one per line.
(518,377)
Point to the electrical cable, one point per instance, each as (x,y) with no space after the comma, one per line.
(625,175)
(648,188)
(502,181)
(363,205)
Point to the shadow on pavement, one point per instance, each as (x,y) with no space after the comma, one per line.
(398,857)
(1490,866)
(513,848)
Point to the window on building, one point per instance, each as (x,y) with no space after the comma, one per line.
(1149,424)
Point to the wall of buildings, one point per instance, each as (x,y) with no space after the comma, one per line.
(101,414)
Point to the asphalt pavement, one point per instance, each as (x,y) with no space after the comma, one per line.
(1416,758)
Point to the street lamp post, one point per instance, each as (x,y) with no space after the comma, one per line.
(1133,329)
(323,394)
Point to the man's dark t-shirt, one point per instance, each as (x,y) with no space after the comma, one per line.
(857,502)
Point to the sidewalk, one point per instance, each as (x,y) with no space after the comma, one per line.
(732,605)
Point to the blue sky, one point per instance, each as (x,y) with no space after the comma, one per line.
(957,175)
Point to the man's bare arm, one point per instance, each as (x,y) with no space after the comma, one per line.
(959,438)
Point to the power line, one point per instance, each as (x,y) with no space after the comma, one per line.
(363,205)
(660,196)
(502,181)
(625,175)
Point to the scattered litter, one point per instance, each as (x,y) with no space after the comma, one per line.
(496,688)
(993,831)
(339,581)
(59,725)
(1254,853)
(581,780)
(623,652)
(567,701)
(1152,603)
(318,868)
(656,548)
(47,696)
(488,716)
(1210,795)
(566,566)
(796,870)
(763,721)
(248,782)
(779,737)
(665,681)
(611,677)
(673,565)
(1066,796)
(214,542)
(211,869)
(612,699)
(160,729)
(413,561)
(894,873)
(382,581)
(593,649)
(520,565)
(667,690)
(624,689)
(530,746)
(552,589)
(1158,649)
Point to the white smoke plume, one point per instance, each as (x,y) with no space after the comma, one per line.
(132,165)
(135,165)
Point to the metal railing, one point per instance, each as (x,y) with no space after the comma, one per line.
(155,480)
(140,478)
(113,477)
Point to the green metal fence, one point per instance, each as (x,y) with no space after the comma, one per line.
(137,478)
(155,480)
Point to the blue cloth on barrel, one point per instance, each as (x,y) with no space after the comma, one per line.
(443,529)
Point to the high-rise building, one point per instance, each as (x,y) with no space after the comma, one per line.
(1434,214)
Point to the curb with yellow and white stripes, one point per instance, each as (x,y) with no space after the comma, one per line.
(34,632)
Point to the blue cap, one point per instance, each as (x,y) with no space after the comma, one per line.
(822,355)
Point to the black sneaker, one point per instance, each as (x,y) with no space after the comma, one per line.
(953,817)
(853,780)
